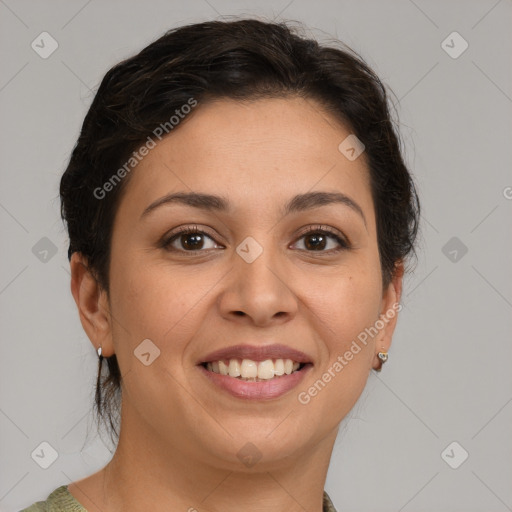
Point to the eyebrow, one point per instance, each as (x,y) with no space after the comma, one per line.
(298,203)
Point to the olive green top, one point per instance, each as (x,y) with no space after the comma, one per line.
(61,500)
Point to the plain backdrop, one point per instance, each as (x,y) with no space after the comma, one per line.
(445,394)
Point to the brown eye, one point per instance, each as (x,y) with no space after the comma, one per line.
(323,240)
(315,241)
(192,241)
(188,240)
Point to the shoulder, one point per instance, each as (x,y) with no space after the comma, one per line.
(59,500)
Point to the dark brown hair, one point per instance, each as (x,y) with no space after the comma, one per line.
(243,59)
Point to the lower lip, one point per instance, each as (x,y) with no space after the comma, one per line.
(263,390)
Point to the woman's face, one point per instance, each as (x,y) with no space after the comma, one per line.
(250,279)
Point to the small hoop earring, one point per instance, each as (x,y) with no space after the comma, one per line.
(99,352)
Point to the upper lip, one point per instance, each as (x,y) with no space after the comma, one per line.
(257,353)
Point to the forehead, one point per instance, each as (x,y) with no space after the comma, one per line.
(260,149)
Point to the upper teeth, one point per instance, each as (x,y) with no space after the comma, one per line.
(251,369)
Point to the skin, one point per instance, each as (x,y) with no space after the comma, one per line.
(179,434)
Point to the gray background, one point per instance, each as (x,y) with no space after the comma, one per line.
(448,377)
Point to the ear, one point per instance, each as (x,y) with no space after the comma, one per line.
(93,305)
(389,313)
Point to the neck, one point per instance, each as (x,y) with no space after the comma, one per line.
(144,476)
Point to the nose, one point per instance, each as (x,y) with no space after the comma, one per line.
(258,292)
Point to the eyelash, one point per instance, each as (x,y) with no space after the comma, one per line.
(319,229)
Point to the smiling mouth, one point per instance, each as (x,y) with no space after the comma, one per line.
(248,370)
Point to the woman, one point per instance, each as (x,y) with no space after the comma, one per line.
(239,216)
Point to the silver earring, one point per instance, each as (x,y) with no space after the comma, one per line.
(383,356)
(99,352)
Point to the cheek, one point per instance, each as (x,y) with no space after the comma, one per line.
(344,303)
(343,313)
(359,297)
(159,303)
(163,306)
